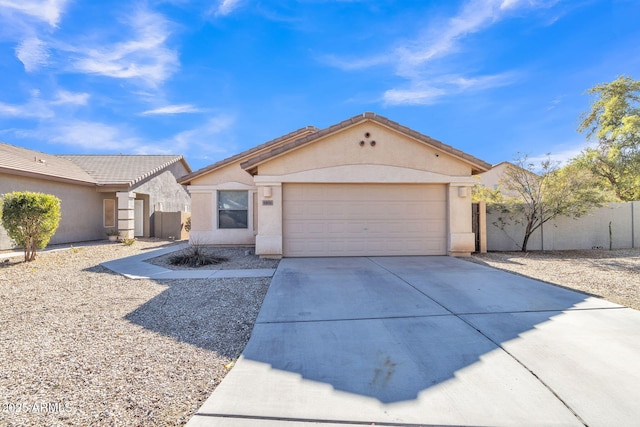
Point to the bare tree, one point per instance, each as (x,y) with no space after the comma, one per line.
(534,194)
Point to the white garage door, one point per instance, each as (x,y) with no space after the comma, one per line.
(364,219)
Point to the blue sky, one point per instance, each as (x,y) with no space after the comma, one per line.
(208,79)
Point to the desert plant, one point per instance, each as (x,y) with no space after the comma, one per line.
(187,225)
(127,241)
(541,197)
(614,124)
(196,256)
(30,219)
(112,232)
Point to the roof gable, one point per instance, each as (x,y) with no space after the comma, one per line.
(22,161)
(299,133)
(474,163)
(122,169)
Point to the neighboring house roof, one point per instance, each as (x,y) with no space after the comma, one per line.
(86,169)
(299,133)
(476,164)
(21,161)
(123,169)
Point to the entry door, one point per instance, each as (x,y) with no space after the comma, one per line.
(138,218)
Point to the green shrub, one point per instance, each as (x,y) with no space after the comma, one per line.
(30,219)
(127,241)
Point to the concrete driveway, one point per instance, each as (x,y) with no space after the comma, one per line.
(429,341)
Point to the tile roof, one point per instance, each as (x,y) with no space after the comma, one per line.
(477,164)
(84,169)
(34,163)
(120,169)
(299,133)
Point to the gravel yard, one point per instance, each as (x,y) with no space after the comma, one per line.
(80,345)
(612,275)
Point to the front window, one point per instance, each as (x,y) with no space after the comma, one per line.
(233,209)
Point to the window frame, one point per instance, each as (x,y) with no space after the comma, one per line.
(112,213)
(220,209)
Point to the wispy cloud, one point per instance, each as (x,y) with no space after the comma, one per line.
(172,109)
(425,92)
(48,11)
(420,61)
(554,103)
(33,53)
(39,108)
(201,136)
(225,7)
(72,98)
(562,153)
(35,108)
(420,94)
(87,135)
(145,57)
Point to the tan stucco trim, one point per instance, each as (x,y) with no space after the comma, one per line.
(370,174)
(221,186)
(111,188)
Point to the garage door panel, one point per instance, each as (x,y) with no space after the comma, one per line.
(364,219)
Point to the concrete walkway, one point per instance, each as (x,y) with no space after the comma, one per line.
(424,341)
(135,267)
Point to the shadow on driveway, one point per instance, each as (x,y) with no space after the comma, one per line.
(390,328)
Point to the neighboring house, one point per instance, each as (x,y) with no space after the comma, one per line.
(365,186)
(493,177)
(98,193)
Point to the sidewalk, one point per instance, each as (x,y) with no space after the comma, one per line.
(19,252)
(135,267)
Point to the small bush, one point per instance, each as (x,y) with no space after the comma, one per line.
(196,256)
(112,232)
(30,219)
(128,242)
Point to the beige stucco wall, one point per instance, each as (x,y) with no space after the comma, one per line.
(461,236)
(204,224)
(81,208)
(491,179)
(228,173)
(343,148)
(269,236)
(162,192)
(587,232)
